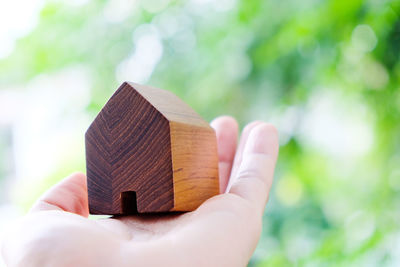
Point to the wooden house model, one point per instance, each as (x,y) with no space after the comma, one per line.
(148,151)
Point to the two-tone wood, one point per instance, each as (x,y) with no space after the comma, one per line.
(148,151)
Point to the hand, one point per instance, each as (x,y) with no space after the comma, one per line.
(223,231)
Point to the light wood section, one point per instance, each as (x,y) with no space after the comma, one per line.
(195,165)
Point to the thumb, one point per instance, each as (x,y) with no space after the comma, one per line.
(68,195)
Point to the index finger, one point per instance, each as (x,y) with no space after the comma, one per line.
(255,173)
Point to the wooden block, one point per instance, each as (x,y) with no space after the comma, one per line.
(148,151)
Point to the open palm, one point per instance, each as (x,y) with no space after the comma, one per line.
(223,231)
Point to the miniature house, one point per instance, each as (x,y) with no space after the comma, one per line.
(148,151)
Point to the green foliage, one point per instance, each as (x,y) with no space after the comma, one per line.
(296,63)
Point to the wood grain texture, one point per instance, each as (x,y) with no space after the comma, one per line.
(195,165)
(147,151)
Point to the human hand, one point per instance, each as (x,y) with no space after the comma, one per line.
(223,231)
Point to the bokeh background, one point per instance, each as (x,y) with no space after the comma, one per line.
(326,73)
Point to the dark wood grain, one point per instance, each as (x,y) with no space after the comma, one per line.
(130,150)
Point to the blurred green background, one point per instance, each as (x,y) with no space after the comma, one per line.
(326,73)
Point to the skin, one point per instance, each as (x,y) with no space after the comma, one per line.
(223,231)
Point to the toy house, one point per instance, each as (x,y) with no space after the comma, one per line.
(148,151)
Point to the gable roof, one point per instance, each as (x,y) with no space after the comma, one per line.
(169,105)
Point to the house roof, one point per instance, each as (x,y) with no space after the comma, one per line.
(169,105)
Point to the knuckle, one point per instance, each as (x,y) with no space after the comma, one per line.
(247,173)
(252,176)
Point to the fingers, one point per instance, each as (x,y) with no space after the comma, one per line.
(68,195)
(255,173)
(239,152)
(226,129)
(230,224)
